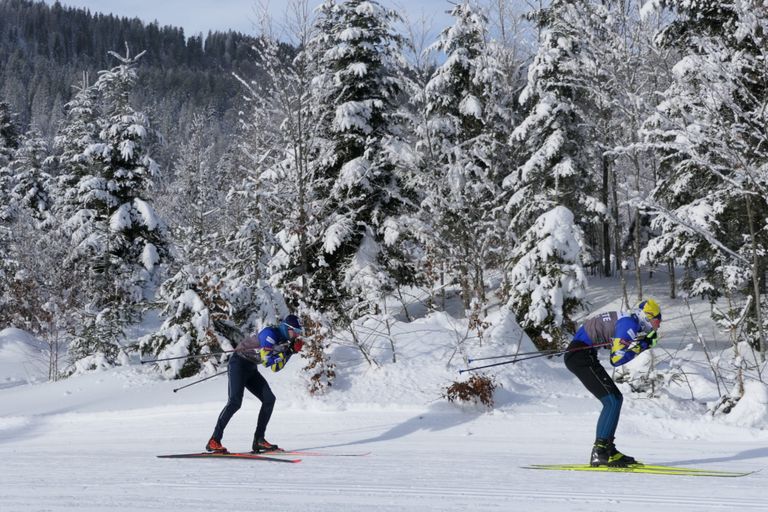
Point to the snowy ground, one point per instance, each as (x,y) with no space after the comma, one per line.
(89,442)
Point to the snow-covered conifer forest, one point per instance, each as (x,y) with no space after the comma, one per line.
(342,166)
(426,199)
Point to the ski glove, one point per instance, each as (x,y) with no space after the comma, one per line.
(297,345)
(649,341)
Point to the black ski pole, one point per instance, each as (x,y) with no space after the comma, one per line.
(507,362)
(201,380)
(536,355)
(547,352)
(191,356)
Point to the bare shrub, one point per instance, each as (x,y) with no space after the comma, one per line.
(478,389)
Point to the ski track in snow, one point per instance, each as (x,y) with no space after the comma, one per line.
(420,461)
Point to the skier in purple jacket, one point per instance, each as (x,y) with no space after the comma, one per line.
(272,347)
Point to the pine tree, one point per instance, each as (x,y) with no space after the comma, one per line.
(553,138)
(265,198)
(77,132)
(282,146)
(195,297)
(362,254)
(9,134)
(196,308)
(558,154)
(548,278)
(126,241)
(9,141)
(463,152)
(30,172)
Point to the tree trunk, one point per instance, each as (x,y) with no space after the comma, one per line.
(617,241)
(637,248)
(638,276)
(672,280)
(756,280)
(606,227)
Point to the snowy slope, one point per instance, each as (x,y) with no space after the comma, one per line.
(89,442)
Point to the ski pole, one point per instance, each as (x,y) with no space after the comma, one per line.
(201,380)
(191,356)
(507,362)
(547,352)
(534,356)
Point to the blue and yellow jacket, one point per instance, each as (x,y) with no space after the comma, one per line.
(270,348)
(624,332)
(274,348)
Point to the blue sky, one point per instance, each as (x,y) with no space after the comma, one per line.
(199,16)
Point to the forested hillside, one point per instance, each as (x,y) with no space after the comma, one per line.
(358,183)
(45,50)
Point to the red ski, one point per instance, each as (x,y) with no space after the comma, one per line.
(228,455)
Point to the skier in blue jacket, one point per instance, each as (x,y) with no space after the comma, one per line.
(627,335)
(272,347)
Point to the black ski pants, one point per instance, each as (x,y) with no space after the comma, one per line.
(584,364)
(244,374)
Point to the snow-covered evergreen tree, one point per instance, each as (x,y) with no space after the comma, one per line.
(77,132)
(8,143)
(559,151)
(36,293)
(121,237)
(712,130)
(25,219)
(9,135)
(282,146)
(559,154)
(196,297)
(196,310)
(548,278)
(30,172)
(80,207)
(363,252)
(267,196)
(463,153)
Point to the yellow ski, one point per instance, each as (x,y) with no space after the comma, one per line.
(642,468)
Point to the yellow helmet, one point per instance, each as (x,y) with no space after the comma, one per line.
(650,308)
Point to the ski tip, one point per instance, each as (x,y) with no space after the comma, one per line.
(304,453)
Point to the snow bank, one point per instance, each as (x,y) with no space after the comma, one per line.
(752,409)
(23,358)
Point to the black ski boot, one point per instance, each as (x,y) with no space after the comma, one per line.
(617,458)
(604,453)
(600,453)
